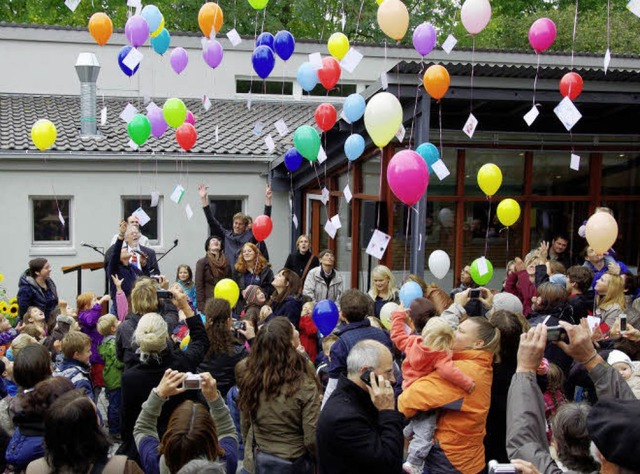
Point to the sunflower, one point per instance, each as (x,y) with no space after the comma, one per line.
(13,310)
(4,307)
(13,300)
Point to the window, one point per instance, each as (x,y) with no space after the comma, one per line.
(340,90)
(245,86)
(224,209)
(151,229)
(51,221)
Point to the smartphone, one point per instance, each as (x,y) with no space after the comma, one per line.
(496,468)
(623,323)
(164,294)
(557,333)
(475,293)
(192,382)
(366,376)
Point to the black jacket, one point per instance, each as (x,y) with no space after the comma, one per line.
(222,367)
(296,262)
(31,294)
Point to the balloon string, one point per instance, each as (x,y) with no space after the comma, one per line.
(573,38)
(264,15)
(358,21)
(440,122)
(317,177)
(535,80)
(486,237)
(473,64)
(415,106)
(608,25)
(507,260)
(406,241)
(380,187)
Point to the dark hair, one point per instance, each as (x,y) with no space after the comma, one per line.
(552,295)
(569,427)
(328,251)
(218,312)
(32,365)
(630,283)
(422,310)
(581,276)
(355,305)
(36,402)
(510,327)
(560,235)
(293,285)
(218,238)
(36,265)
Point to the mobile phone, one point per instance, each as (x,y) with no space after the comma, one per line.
(557,333)
(192,382)
(623,323)
(235,325)
(496,468)
(366,376)
(475,293)
(164,294)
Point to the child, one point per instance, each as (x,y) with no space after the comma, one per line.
(553,397)
(89,311)
(622,363)
(34,331)
(53,340)
(254,299)
(323,366)
(112,371)
(35,316)
(76,348)
(21,341)
(308,331)
(184,277)
(7,385)
(424,354)
(7,333)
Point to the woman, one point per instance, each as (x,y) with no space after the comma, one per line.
(36,288)
(286,300)
(384,288)
(324,282)
(279,400)
(302,260)
(252,269)
(611,301)
(459,435)
(210,269)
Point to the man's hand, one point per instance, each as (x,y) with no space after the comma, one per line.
(381,392)
(268,195)
(531,350)
(543,251)
(614,269)
(202,191)
(580,346)
(122,228)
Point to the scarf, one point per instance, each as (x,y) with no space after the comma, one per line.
(217,266)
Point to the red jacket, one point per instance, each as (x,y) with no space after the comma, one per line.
(309,337)
(519,284)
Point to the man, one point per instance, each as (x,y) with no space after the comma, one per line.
(144,258)
(133,221)
(359,430)
(558,250)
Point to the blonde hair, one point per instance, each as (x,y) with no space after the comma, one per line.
(106,324)
(144,297)
(20,342)
(84,301)
(438,334)
(74,341)
(303,236)
(151,335)
(614,294)
(382,271)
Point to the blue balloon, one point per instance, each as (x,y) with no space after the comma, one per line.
(160,43)
(292,159)
(409,292)
(123,54)
(152,14)
(429,153)
(307,77)
(284,44)
(266,39)
(263,61)
(325,316)
(354,147)
(354,107)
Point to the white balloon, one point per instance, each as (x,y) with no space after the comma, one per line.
(386,312)
(439,263)
(445,216)
(475,15)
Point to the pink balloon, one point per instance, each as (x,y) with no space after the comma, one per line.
(542,34)
(179,59)
(137,30)
(408,176)
(475,15)
(190,118)
(212,53)
(158,123)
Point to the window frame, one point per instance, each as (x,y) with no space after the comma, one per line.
(52,247)
(155,243)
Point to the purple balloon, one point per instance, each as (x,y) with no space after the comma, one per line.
(190,118)
(179,59)
(212,53)
(137,30)
(424,38)
(158,123)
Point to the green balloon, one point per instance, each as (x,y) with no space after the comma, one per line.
(139,129)
(307,142)
(475,272)
(258,4)
(174,112)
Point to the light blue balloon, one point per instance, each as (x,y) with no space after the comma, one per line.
(429,152)
(152,14)
(160,43)
(409,292)
(307,76)
(354,147)
(354,107)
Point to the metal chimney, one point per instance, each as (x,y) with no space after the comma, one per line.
(87,68)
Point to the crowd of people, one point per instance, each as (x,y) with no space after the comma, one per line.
(541,375)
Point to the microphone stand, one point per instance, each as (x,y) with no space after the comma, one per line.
(175,244)
(93,247)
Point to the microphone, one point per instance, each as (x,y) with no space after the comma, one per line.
(175,243)
(84,244)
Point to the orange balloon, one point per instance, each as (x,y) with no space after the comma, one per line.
(100,27)
(210,18)
(436,81)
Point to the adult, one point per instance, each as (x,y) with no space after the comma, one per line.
(559,250)
(521,282)
(383,290)
(210,269)
(324,282)
(359,429)
(301,260)
(610,298)
(458,441)
(285,300)
(240,233)
(279,402)
(133,221)
(36,288)
(473,306)
(599,264)
(252,268)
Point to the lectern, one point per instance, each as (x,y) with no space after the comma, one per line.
(93,266)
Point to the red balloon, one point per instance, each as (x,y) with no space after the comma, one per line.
(326,116)
(262,227)
(571,85)
(329,75)
(186,136)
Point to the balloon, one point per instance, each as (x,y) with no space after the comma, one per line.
(158,123)
(429,153)
(329,75)
(436,81)
(571,85)
(123,54)
(508,212)
(258,4)
(382,118)
(410,290)
(601,231)
(475,272)
(338,45)
(284,44)
(292,159)
(489,179)
(227,289)
(408,176)
(174,112)
(385,313)
(446,217)
(325,316)
(139,128)
(439,263)
(155,33)
(354,147)
(354,107)
(179,59)
(307,77)
(263,61)
(393,19)
(160,43)
(475,15)
(424,38)
(542,34)
(186,136)
(266,39)
(307,142)
(262,227)
(137,30)
(326,116)
(43,134)
(152,15)
(212,53)
(210,19)
(185,342)
(190,118)
(100,27)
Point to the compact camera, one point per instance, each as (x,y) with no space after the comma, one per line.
(192,382)
(496,468)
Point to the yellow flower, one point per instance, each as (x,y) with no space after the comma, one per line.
(13,300)
(1,277)
(13,310)
(4,307)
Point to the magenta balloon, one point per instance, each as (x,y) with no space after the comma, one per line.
(158,123)
(542,34)
(179,59)
(190,118)
(424,38)
(408,176)
(212,53)
(137,30)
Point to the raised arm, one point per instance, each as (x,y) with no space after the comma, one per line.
(268,195)
(214,224)
(398,335)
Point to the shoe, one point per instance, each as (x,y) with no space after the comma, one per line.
(411,468)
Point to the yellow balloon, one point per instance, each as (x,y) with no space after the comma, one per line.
(159,30)
(185,342)
(383,117)
(43,134)
(338,45)
(489,179)
(386,312)
(393,18)
(227,289)
(601,231)
(508,212)
(379,2)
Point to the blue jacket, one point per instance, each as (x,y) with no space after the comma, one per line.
(78,373)
(597,274)
(24,448)
(290,307)
(31,294)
